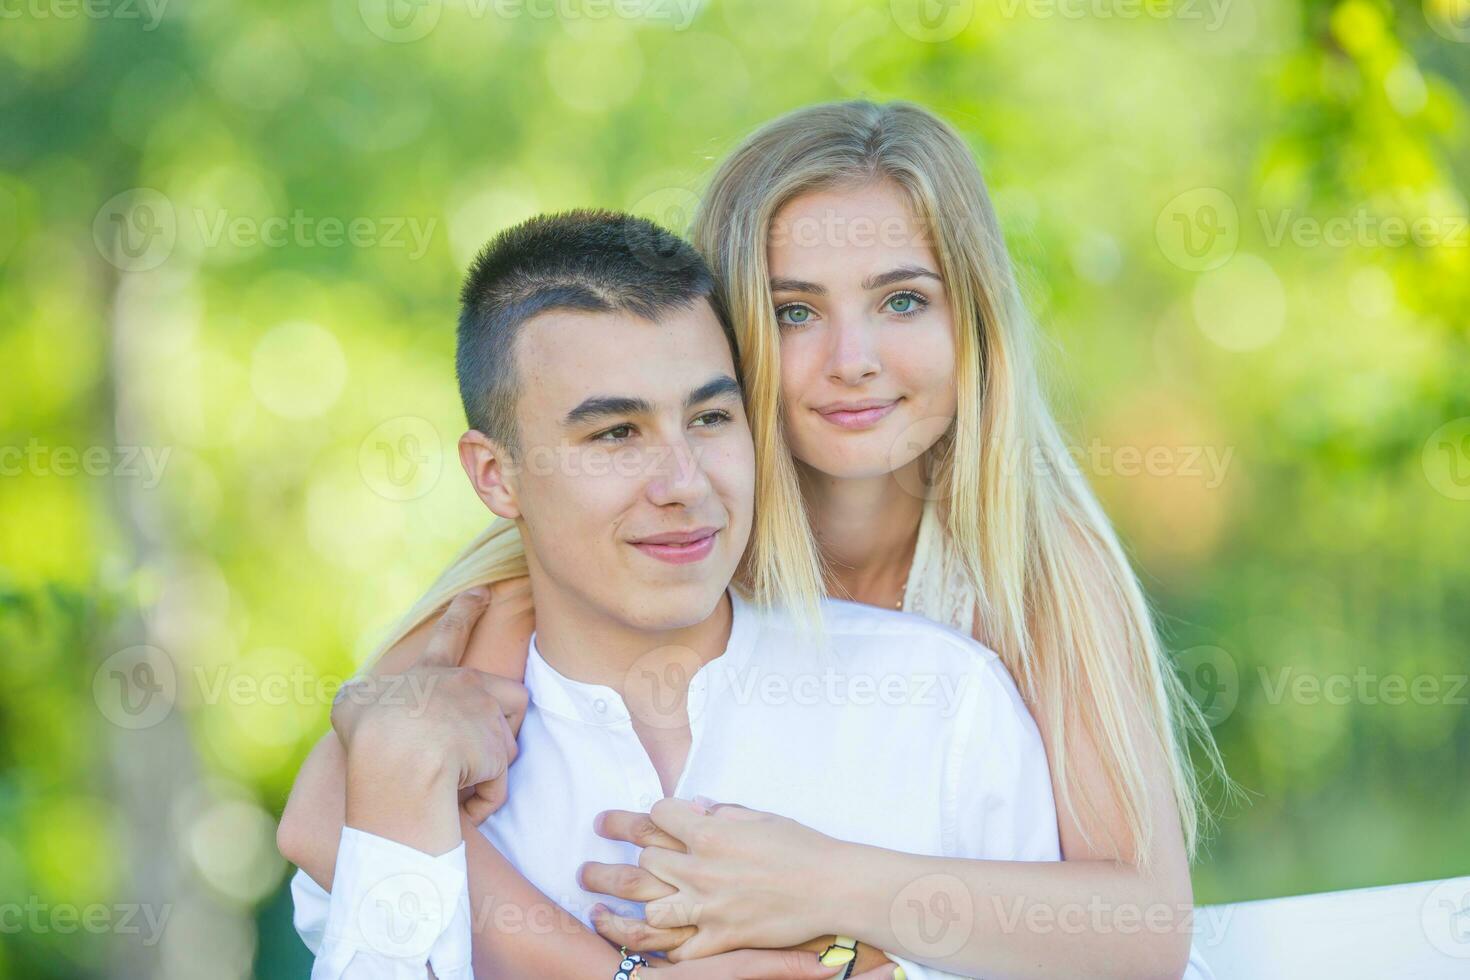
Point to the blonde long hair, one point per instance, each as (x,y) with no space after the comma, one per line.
(1058,599)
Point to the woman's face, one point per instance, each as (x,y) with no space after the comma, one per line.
(867,345)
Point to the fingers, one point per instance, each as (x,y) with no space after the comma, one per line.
(670,911)
(666,865)
(512,750)
(485,799)
(635,828)
(886,972)
(622,881)
(452,631)
(781,964)
(513,595)
(502,640)
(677,817)
(512,697)
(636,933)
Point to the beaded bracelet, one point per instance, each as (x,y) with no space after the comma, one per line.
(631,964)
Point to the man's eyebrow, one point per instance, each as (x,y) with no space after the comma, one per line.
(602,406)
(717,387)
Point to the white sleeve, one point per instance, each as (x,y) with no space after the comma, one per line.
(998,799)
(392,912)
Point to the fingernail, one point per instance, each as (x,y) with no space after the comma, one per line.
(478,592)
(836,957)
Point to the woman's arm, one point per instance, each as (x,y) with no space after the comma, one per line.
(750,878)
(519,932)
(497,643)
(1097,914)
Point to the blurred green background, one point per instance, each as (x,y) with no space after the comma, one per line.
(231,236)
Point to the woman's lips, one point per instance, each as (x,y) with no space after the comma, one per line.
(862,419)
(679,554)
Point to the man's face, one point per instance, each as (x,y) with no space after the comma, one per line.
(636,476)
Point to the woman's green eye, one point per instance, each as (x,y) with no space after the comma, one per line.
(794,315)
(906,303)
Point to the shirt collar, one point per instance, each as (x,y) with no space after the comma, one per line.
(598,704)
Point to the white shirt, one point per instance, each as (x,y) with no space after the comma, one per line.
(901,733)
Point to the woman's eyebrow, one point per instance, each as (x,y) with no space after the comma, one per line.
(779,285)
(899,275)
(876,281)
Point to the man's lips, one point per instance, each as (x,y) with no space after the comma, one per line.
(679,547)
(857,415)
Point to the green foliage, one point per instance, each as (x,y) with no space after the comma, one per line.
(230,241)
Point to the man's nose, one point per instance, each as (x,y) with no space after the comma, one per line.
(677,475)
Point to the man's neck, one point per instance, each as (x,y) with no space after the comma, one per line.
(587,645)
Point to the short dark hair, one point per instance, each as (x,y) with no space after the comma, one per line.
(589,259)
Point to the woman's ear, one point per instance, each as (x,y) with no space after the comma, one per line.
(491,473)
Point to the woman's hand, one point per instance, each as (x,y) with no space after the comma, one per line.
(501,640)
(714,879)
(497,644)
(759,964)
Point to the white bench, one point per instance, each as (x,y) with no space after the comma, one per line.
(1419,931)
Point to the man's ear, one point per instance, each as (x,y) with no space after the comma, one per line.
(491,473)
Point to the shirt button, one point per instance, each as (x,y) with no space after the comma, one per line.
(600,705)
(645,801)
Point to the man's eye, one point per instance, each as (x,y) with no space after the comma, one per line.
(716,417)
(794,314)
(616,434)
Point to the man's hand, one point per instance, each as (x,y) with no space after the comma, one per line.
(415,739)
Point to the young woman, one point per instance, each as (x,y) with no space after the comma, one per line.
(888,366)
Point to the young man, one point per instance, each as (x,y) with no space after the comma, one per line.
(607,421)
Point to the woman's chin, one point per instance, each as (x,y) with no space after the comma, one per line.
(849,466)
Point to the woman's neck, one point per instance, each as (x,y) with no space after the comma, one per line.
(867,529)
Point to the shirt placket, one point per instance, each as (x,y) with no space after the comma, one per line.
(640,779)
